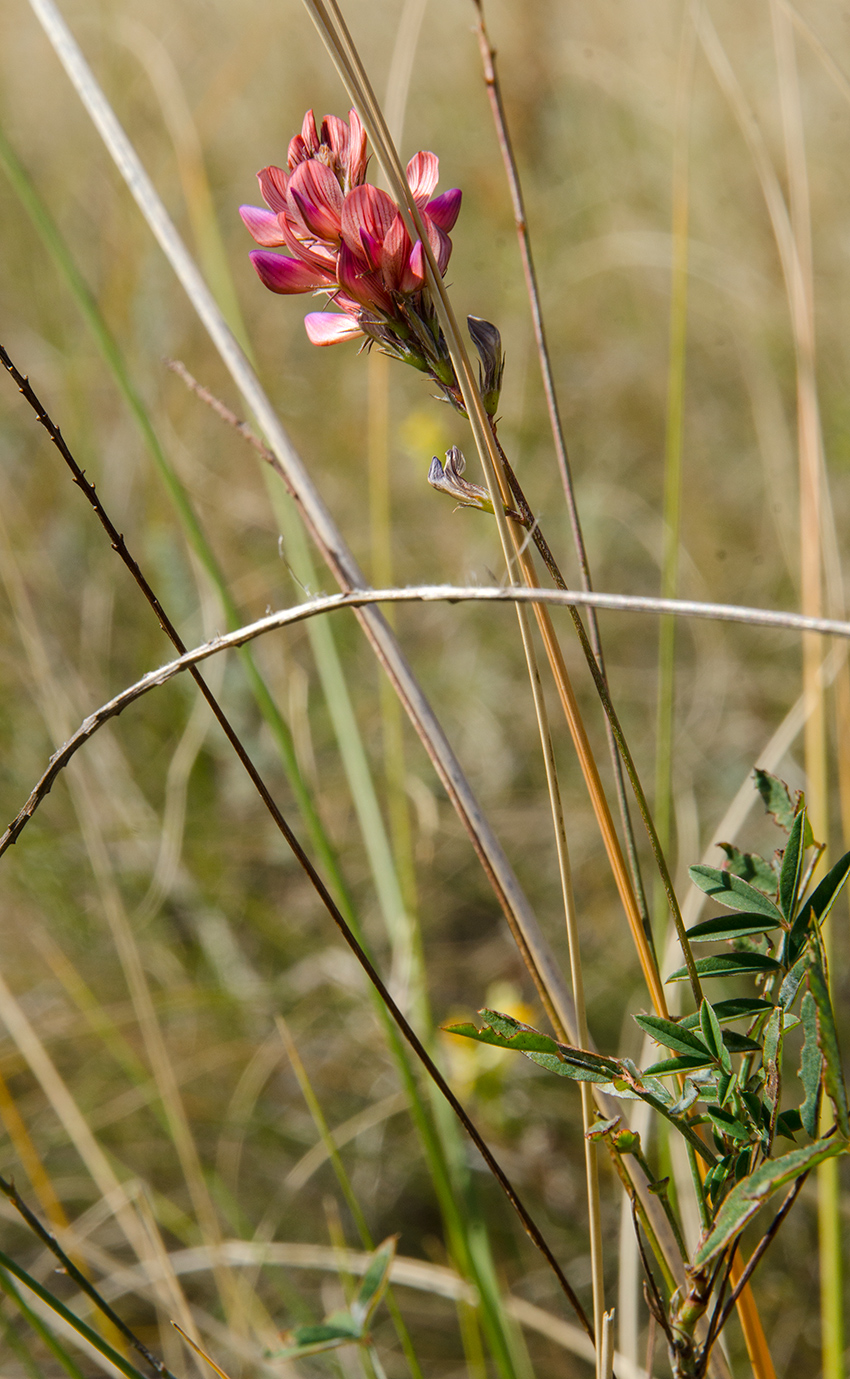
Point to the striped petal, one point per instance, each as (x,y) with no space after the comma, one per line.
(366,208)
(317,196)
(356,160)
(423,172)
(273,182)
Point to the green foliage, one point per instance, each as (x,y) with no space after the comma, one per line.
(352,1325)
(730,1083)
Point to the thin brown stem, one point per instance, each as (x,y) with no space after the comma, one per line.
(119,545)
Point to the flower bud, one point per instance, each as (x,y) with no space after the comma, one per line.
(488,343)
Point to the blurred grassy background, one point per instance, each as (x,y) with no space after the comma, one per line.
(228,933)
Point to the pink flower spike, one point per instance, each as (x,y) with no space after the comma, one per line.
(282,274)
(273,182)
(444,209)
(423,172)
(263,225)
(328,328)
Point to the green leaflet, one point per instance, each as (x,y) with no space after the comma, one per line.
(773,1036)
(750,867)
(737,1008)
(375,1281)
(730,927)
(791,984)
(672,1035)
(828,1044)
(341,1328)
(792,865)
(727,1124)
(811,1065)
(679,1065)
(752,1192)
(729,965)
(778,799)
(732,892)
(713,1036)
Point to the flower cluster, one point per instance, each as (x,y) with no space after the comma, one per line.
(348,239)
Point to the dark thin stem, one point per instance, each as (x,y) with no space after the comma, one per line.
(756,1257)
(319,886)
(79,1277)
(713,1327)
(613,720)
(657,1308)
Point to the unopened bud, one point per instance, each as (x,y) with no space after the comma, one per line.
(488,343)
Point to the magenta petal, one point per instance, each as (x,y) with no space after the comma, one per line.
(444,209)
(311,251)
(328,328)
(423,172)
(396,253)
(263,225)
(371,248)
(273,182)
(365,287)
(413,276)
(282,274)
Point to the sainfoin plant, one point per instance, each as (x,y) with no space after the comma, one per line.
(710,1115)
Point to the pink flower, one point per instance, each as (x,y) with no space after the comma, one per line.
(348,239)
